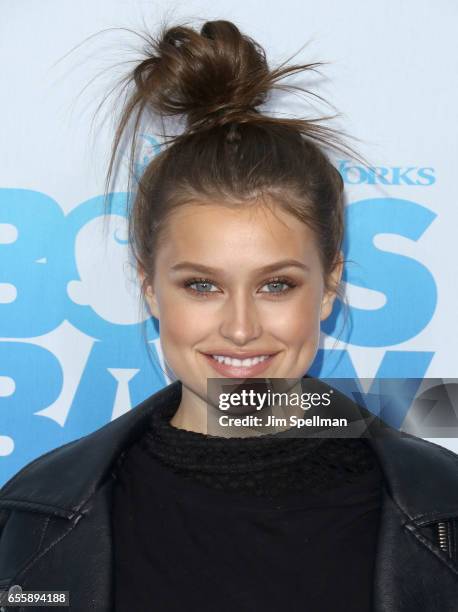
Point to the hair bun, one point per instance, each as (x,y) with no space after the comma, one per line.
(213,77)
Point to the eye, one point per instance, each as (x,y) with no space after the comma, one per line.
(277,282)
(202,282)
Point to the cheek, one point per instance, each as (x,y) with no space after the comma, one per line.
(300,319)
(181,320)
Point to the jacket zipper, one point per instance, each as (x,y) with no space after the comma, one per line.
(442,529)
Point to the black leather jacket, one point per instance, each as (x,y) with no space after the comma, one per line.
(55,530)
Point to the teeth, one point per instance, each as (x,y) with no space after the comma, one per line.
(244,363)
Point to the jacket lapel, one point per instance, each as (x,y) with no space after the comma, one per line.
(64,502)
(68,492)
(76,556)
(410,574)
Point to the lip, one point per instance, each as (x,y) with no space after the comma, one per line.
(239,371)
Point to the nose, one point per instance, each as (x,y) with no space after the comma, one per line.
(240,319)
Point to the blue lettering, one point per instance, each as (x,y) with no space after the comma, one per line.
(409,287)
(429,176)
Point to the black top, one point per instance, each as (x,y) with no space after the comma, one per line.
(265,523)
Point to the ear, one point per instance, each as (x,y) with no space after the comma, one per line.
(150,295)
(329,296)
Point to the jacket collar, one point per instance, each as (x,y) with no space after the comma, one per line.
(421,477)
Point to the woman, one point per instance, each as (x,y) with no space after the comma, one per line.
(236,227)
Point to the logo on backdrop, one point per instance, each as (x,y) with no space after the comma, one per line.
(65,290)
(353,174)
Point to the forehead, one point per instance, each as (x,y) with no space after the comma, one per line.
(237,230)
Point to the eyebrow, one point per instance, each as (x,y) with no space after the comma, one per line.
(278,265)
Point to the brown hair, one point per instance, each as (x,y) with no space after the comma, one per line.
(229,152)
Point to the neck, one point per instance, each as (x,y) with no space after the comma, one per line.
(196,414)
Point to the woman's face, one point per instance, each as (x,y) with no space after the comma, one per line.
(213,295)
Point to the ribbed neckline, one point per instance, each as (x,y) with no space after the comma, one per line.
(271,464)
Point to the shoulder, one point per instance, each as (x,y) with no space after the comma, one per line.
(46,461)
(69,472)
(63,479)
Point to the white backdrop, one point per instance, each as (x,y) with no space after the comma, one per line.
(69,341)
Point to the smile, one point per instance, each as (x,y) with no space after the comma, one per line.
(236,368)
